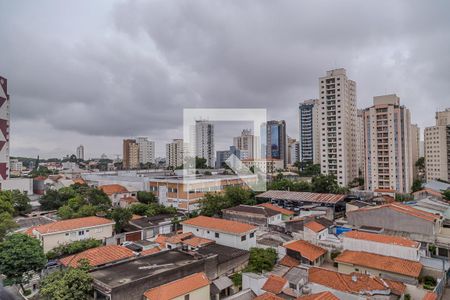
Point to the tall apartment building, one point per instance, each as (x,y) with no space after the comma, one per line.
(293,152)
(146,150)
(130,154)
(337,122)
(4,128)
(80,152)
(360,153)
(309,137)
(276,141)
(174,153)
(415,148)
(204,139)
(387,131)
(247,142)
(437,148)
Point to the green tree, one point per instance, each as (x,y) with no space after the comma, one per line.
(261,260)
(121,216)
(146,197)
(446,195)
(21,256)
(71,283)
(420,165)
(139,209)
(6,206)
(326,184)
(66,212)
(7,224)
(236,195)
(417,185)
(200,163)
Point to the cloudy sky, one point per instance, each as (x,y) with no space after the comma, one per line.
(93,72)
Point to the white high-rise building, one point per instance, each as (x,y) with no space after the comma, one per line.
(247,142)
(204,141)
(174,153)
(437,148)
(80,152)
(337,117)
(387,130)
(309,131)
(146,150)
(4,129)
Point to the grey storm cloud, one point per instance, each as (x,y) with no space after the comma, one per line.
(128,68)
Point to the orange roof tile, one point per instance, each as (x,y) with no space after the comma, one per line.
(162,239)
(267,296)
(355,283)
(197,241)
(79,180)
(381,262)
(306,249)
(396,287)
(314,226)
(277,208)
(110,189)
(220,225)
(99,256)
(381,238)
(129,200)
(72,224)
(178,287)
(150,251)
(288,261)
(319,296)
(401,208)
(274,284)
(430,296)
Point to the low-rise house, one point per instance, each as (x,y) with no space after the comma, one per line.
(297,276)
(303,252)
(116,192)
(66,231)
(100,256)
(255,215)
(286,213)
(425,193)
(407,221)
(224,232)
(275,284)
(382,244)
(319,296)
(127,202)
(195,286)
(152,226)
(407,271)
(353,286)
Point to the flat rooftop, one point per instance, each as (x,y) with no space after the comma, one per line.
(140,268)
(224,253)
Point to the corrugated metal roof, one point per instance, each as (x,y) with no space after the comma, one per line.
(302,196)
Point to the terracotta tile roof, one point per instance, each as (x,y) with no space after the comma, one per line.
(430,296)
(178,287)
(381,238)
(150,251)
(111,189)
(220,225)
(381,262)
(72,224)
(288,261)
(302,196)
(314,226)
(277,208)
(197,241)
(267,296)
(129,200)
(401,208)
(397,288)
(162,239)
(79,180)
(274,284)
(354,283)
(99,256)
(319,296)
(306,249)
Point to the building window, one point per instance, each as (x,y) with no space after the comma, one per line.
(216,234)
(252,234)
(186,297)
(243,238)
(81,232)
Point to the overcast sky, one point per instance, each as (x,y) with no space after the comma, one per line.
(94,72)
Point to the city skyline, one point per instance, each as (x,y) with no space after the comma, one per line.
(140,82)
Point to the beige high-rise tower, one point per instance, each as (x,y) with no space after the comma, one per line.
(387,130)
(360,152)
(437,148)
(337,122)
(174,153)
